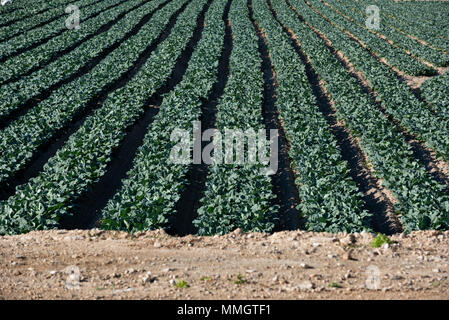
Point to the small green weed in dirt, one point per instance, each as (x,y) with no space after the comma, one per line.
(206,278)
(380,240)
(181,284)
(335,285)
(240,279)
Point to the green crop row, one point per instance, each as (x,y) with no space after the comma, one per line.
(330,199)
(434,12)
(405,26)
(83,159)
(410,26)
(148,197)
(33,20)
(19,10)
(401,40)
(239,196)
(14,94)
(436,91)
(22,137)
(394,55)
(428,124)
(39,56)
(429,16)
(421,202)
(55,28)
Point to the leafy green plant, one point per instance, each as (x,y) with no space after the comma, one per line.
(206,278)
(379,240)
(181,284)
(335,285)
(240,279)
(431,90)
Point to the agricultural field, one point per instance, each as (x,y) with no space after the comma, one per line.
(354,96)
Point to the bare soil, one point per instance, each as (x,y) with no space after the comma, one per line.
(284,265)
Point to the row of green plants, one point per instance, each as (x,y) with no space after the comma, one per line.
(429,16)
(21,64)
(420,200)
(410,26)
(436,92)
(14,94)
(416,48)
(428,123)
(148,197)
(399,25)
(50,196)
(20,140)
(19,10)
(34,19)
(52,29)
(394,55)
(239,195)
(330,199)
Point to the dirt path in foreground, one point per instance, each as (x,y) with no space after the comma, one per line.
(285,265)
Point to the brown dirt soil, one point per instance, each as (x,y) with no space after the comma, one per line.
(285,265)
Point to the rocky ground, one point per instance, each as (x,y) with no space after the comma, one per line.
(96,264)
